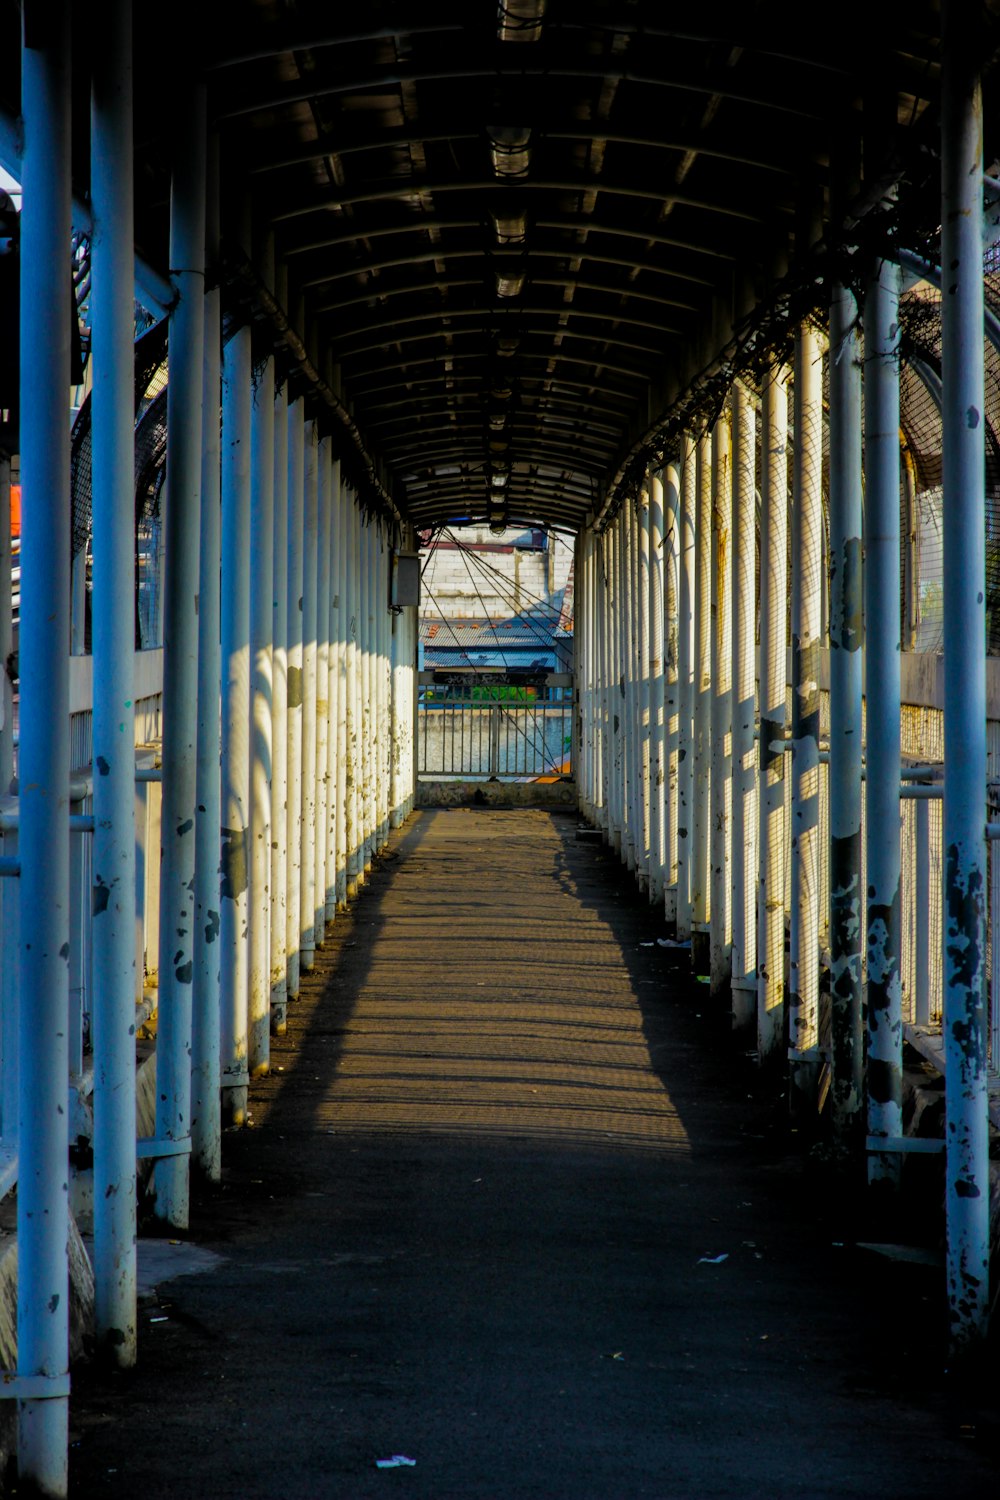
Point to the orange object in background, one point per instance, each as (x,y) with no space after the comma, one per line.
(15,510)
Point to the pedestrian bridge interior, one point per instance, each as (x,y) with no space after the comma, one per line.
(710,292)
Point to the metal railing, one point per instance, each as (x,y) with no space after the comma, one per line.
(494,727)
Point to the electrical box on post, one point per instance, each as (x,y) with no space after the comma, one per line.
(405,579)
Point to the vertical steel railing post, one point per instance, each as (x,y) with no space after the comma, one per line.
(293,822)
(687,555)
(847,895)
(44,760)
(882,693)
(113,483)
(807,528)
(773,672)
(967,1184)
(720,897)
(234,865)
(206,1098)
(744,777)
(307,841)
(279,721)
(185,403)
(702,706)
(261,700)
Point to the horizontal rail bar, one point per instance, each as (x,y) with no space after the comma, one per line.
(905,1145)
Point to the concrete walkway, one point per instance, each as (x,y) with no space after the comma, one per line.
(507,1210)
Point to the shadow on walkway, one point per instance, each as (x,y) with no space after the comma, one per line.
(507,1210)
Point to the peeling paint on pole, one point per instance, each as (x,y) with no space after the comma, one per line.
(846,893)
(882,687)
(966,1133)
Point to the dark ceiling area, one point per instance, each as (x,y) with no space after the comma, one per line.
(515,234)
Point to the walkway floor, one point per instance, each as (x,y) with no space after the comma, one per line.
(506,1211)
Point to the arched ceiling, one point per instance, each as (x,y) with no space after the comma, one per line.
(518,229)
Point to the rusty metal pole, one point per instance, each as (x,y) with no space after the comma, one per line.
(744,770)
(772,831)
(847,898)
(720,898)
(807,540)
(882,688)
(967,1179)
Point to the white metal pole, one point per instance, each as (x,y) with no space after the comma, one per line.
(807,528)
(44,762)
(744,839)
(671,684)
(185,402)
(307,844)
(720,898)
(702,706)
(882,687)
(354,834)
(324,791)
(206,1065)
(113,480)
(261,707)
(279,720)
(644,738)
(847,896)
(293,848)
(687,559)
(235,719)
(658,762)
(967,1165)
(773,691)
(341,545)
